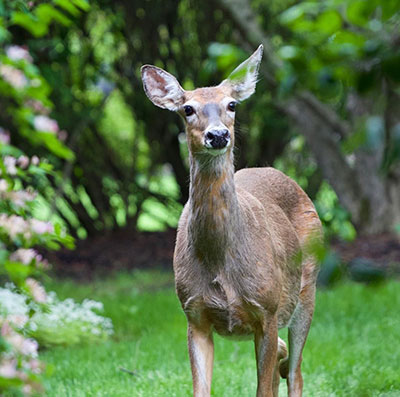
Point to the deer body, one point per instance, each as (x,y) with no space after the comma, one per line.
(241,263)
(232,266)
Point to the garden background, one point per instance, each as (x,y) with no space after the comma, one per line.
(93,178)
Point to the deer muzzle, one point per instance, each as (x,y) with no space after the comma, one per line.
(217,138)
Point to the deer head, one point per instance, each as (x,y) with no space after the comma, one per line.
(208,113)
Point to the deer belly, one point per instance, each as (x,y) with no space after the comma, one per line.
(227,319)
(231,322)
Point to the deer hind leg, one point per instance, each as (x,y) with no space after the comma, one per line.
(282,354)
(290,368)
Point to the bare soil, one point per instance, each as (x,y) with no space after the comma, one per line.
(383,250)
(125,250)
(122,250)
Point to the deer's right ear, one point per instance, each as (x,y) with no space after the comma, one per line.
(162,88)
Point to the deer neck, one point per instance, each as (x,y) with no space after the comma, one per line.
(214,218)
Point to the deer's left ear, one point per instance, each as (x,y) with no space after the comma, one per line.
(162,88)
(243,79)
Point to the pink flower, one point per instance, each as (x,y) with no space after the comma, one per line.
(15,225)
(23,161)
(27,390)
(10,162)
(37,106)
(20,197)
(4,136)
(35,365)
(13,76)
(41,227)
(42,264)
(17,320)
(3,185)
(35,160)
(27,255)
(37,291)
(62,135)
(44,123)
(24,255)
(29,347)
(8,368)
(16,53)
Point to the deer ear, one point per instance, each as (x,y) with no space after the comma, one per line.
(162,88)
(243,79)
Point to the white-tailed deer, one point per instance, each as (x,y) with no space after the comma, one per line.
(242,263)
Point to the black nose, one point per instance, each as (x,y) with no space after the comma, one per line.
(218,139)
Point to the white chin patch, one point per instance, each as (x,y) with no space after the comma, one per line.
(216,152)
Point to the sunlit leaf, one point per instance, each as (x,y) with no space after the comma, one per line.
(291,15)
(354,141)
(47,13)
(360,11)
(328,22)
(68,6)
(28,22)
(55,146)
(82,4)
(346,37)
(288,52)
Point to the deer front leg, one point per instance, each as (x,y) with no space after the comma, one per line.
(266,344)
(201,352)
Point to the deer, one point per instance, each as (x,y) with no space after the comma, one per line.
(243,264)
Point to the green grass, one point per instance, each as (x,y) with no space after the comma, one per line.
(353,348)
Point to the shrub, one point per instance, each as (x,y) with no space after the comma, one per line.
(53,322)
(25,117)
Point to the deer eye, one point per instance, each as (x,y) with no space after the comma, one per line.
(231,106)
(188,110)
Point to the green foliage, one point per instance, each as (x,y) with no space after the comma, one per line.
(224,57)
(38,20)
(298,164)
(334,217)
(332,39)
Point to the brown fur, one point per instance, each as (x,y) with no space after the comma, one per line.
(243,264)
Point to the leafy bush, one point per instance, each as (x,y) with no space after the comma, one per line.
(20,233)
(299,165)
(53,322)
(19,364)
(25,121)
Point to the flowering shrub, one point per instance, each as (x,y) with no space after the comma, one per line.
(25,116)
(19,230)
(20,233)
(54,322)
(19,364)
(67,322)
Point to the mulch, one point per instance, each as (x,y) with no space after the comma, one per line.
(125,250)
(381,249)
(122,250)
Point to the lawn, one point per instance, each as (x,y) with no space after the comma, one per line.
(353,348)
